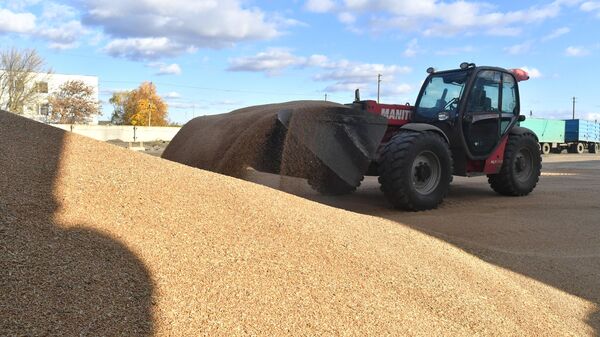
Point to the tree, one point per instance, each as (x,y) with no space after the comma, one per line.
(119,101)
(145,107)
(74,102)
(19,72)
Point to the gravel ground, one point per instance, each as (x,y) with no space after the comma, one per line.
(99,240)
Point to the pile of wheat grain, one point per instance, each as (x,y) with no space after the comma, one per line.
(98,240)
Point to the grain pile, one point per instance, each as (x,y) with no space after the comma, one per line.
(98,240)
(228,143)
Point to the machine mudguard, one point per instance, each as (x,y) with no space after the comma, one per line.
(421,127)
(519,130)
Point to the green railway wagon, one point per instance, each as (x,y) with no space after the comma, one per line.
(550,132)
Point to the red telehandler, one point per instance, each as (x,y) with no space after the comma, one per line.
(464,123)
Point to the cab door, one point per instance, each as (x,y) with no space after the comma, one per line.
(482,122)
(509,103)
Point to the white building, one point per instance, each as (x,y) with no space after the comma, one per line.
(47,84)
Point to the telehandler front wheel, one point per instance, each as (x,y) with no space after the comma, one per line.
(415,170)
(521,168)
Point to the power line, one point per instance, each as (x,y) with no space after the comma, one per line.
(215,89)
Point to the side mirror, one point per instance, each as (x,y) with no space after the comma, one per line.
(522,118)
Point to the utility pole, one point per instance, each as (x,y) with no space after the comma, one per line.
(574,98)
(149,109)
(378,86)
(325,97)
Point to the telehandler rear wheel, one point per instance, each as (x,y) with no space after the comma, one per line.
(415,170)
(521,168)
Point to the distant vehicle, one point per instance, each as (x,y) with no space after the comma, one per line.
(573,135)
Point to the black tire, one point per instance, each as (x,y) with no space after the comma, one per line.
(415,170)
(546,148)
(594,147)
(521,168)
(580,148)
(326,182)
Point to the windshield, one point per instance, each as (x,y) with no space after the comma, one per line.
(442,93)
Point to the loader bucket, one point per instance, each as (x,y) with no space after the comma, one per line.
(291,139)
(343,139)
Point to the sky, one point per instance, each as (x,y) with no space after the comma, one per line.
(214,56)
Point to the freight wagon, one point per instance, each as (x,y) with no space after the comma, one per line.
(573,135)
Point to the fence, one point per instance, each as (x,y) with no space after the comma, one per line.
(121,132)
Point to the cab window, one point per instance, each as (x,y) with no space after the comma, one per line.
(509,95)
(485,95)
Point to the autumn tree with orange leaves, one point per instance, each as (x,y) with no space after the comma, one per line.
(142,107)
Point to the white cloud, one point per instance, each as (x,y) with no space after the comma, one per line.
(576,51)
(348,76)
(347,18)
(155,28)
(556,33)
(321,61)
(12,22)
(57,23)
(53,11)
(455,51)
(144,48)
(227,102)
(63,36)
(166,69)
(395,89)
(319,6)
(186,106)
(172,95)
(412,48)
(593,116)
(533,72)
(18,5)
(346,87)
(345,75)
(434,17)
(518,49)
(590,6)
(346,71)
(271,62)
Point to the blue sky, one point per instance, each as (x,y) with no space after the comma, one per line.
(213,56)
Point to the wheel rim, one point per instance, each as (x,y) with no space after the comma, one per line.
(523,166)
(546,148)
(426,172)
(579,148)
